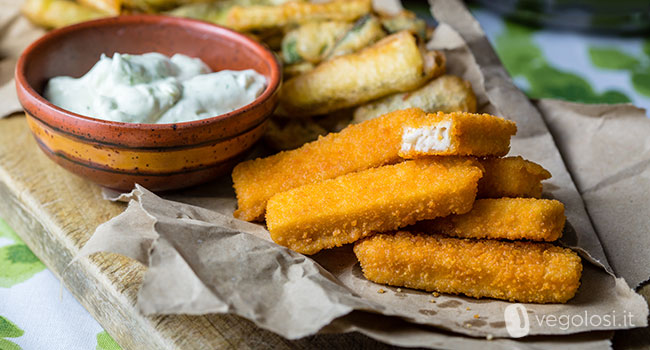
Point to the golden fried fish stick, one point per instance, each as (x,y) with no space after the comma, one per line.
(447,93)
(393,64)
(516,271)
(503,218)
(511,177)
(58,13)
(246,18)
(342,210)
(457,133)
(370,144)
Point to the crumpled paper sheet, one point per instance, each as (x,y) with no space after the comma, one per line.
(285,292)
(205,261)
(607,150)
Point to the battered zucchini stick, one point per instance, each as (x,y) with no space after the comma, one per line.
(393,64)
(503,218)
(261,17)
(370,144)
(58,13)
(110,7)
(342,210)
(511,177)
(285,134)
(211,11)
(365,31)
(515,271)
(406,20)
(312,40)
(447,93)
(457,133)
(291,70)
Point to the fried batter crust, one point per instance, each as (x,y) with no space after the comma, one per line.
(393,64)
(258,17)
(447,93)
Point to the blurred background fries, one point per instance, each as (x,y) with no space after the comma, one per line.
(342,61)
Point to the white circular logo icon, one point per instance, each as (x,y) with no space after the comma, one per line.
(517,322)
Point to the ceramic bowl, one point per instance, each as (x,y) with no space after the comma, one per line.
(157,156)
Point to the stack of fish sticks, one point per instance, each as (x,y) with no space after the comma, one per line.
(429,201)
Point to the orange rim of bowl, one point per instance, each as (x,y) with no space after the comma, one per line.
(39,102)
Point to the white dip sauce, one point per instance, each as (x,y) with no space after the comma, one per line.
(153,88)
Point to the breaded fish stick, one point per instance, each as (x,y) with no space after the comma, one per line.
(357,147)
(457,133)
(511,177)
(515,271)
(503,218)
(393,64)
(447,93)
(246,18)
(342,210)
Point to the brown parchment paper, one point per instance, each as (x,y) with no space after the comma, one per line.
(202,260)
(607,150)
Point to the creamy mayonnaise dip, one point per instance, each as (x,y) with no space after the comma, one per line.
(153,88)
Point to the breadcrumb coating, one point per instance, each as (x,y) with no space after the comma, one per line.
(511,177)
(515,271)
(342,210)
(457,133)
(503,218)
(358,147)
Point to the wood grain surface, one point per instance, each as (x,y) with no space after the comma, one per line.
(56,212)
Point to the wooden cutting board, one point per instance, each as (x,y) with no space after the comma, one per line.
(56,212)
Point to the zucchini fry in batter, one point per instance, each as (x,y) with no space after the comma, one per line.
(342,210)
(515,271)
(447,93)
(58,13)
(247,18)
(358,147)
(312,40)
(503,218)
(365,31)
(457,133)
(110,7)
(511,177)
(287,134)
(393,64)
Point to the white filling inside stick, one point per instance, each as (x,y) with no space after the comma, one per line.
(428,138)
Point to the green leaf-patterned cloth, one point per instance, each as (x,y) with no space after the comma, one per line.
(30,296)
